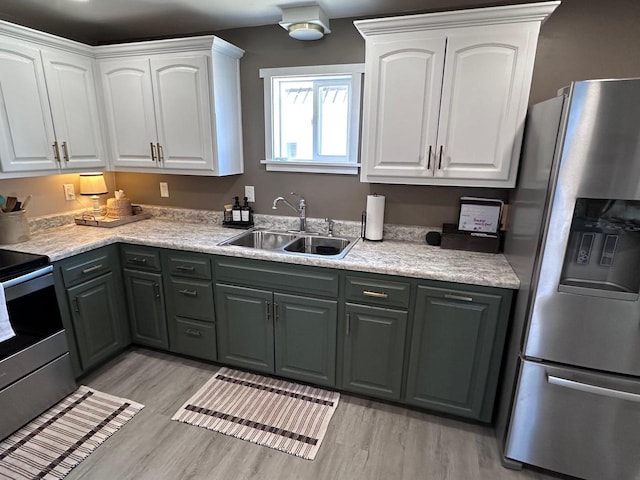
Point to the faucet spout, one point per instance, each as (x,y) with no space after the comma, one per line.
(301,209)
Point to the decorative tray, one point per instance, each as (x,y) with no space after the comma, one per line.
(93,221)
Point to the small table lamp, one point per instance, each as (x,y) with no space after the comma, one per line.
(93,184)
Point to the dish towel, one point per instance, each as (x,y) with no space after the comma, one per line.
(6,332)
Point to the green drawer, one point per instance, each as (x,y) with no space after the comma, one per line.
(141,258)
(191,298)
(377,291)
(277,276)
(86,266)
(192,265)
(193,338)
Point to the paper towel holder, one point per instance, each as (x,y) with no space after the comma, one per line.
(363,228)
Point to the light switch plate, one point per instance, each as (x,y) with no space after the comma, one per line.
(69,192)
(250,193)
(164,189)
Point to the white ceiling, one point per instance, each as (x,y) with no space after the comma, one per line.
(104,21)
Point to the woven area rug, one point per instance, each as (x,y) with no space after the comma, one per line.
(59,439)
(275,413)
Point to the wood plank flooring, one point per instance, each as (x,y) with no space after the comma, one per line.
(366,439)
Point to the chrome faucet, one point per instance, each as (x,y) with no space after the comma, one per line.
(329,227)
(301,209)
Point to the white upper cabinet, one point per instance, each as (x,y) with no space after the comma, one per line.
(173,105)
(49,118)
(446,95)
(74,107)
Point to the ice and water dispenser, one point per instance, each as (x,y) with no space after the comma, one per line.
(603,252)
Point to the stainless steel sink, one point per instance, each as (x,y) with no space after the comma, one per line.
(293,243)
(262,239)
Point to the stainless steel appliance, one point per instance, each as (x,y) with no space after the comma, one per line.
(571,396)
(35,370)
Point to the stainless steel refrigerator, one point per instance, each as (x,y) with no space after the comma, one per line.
(571,395)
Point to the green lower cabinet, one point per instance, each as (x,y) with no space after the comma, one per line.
(193,337)
(374,339)
(456,346)
(289,335)
(97,319)
(305,338)
(245,327)
(145,300)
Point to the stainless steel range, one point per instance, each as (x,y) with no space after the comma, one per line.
(35,370)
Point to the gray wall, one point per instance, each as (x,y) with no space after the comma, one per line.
(582,39)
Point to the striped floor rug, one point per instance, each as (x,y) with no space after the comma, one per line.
(275,413)
(50,446)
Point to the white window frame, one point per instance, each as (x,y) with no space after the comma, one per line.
(356,70)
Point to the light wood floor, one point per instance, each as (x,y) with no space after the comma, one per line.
(366,439)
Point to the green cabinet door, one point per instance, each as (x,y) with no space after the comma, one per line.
(452,350)
(245,327)
(97,319)
(374,339)
(305,338)
(146,308)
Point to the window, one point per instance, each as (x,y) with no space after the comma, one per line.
(312,118)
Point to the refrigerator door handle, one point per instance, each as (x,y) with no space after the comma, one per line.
(585,387)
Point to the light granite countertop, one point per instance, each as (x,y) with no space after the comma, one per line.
(392,257)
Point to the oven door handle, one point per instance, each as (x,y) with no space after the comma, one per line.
(28,276)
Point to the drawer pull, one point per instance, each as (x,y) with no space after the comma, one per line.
(185,268)
(451,296)
(368,293)
(92,269)
(141,261)
(189,293)
(193,333)
(585,387)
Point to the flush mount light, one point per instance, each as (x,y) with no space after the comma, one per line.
(305,23)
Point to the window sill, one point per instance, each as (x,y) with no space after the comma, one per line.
(311,167)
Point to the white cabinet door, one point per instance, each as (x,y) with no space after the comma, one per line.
(182,107)
(130,112)
(26,128)
(484,100)
(72,96)
(401,103)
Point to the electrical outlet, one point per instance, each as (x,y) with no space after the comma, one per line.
(164,189)
(69,192)
(250,193)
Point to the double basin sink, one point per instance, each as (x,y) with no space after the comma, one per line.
(293,243)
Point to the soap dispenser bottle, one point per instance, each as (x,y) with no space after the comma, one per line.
(246,211)
(236,215)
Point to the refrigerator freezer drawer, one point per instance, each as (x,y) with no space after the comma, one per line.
(576,422)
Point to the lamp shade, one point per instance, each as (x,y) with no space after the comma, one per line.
(92,184)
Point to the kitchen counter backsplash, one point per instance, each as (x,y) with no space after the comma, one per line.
(403,251)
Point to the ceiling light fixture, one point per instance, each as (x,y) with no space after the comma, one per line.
(305,23)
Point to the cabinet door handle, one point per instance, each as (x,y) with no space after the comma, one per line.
(429,158)
(368,293)
(193,333)
(277,311)
(160,153)
(440,158)
(267,311)
(142,261)
(92,269)
(348,325)
(76,305)
(189,293)
(185,268)
(451,296)
(153,152)
(65,151)
(56,151)
(156,290)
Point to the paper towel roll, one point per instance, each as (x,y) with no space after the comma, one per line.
(375,217)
